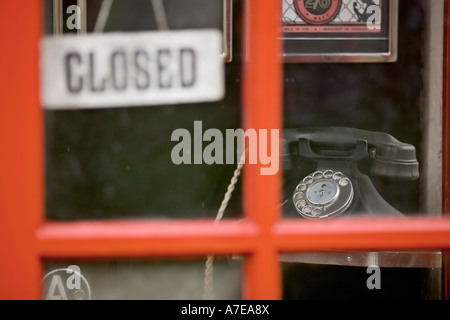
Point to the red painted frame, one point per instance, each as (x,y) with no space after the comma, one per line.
(26,238)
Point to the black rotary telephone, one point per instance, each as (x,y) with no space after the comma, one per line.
(336,186)
(338,172)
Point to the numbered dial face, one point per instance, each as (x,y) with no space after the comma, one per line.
(323,194)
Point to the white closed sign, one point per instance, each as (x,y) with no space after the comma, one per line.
(132,69)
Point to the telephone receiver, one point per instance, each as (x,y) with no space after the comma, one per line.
(337,186)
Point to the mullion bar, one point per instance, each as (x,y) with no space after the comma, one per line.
(262,110)
(156,238)
(110,239)
(363,234)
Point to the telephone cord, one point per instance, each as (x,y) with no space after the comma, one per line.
(209,265)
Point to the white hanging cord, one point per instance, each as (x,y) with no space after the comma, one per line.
(209,268)
(160,15)
(57,18)
(83,12)
(103,15)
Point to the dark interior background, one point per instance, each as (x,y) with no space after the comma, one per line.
(115,163)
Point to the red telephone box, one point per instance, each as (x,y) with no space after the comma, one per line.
(29,238)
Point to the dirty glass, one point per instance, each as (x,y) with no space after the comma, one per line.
(116,162)
(338,119)
(385,98)
(163,279)
(338,275)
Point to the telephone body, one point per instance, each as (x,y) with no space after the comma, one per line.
(336,186)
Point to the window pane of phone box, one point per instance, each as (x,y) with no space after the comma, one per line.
(116,162)
(400,275)
(142,280)
(372,97)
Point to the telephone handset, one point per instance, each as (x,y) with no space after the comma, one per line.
(337,186)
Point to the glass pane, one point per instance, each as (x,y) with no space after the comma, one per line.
(363,137)
(413,275)
(375,125)
(116,162)
(142,280)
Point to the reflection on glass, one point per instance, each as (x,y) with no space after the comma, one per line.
(382,99)
(141,280)
(116,162)
(414,275)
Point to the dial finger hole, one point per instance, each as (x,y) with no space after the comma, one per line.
(300,204)
(328,174)
(299,196)
(318,175)
(338,176)
(308,180)
(316,212)
(307,209)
